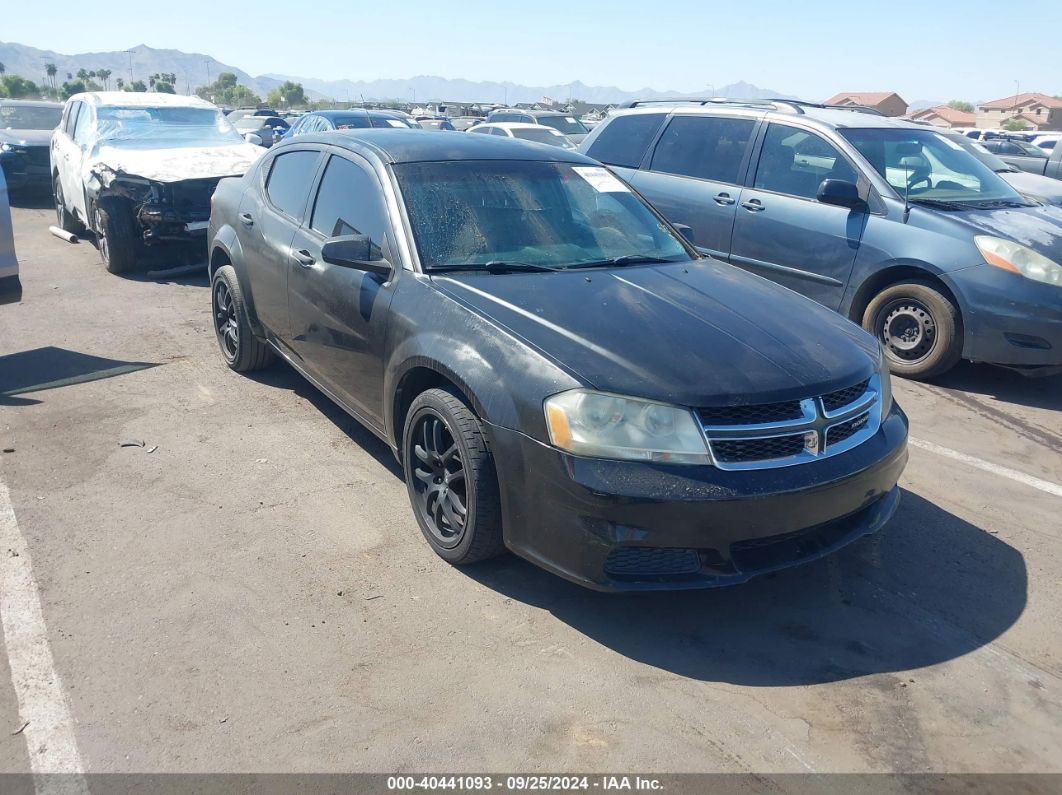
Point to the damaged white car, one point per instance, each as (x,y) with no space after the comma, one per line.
(139,169)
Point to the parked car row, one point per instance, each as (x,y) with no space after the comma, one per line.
(540,338)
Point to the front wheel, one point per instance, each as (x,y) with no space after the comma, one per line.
(115,235)
(919,328)
(451,479)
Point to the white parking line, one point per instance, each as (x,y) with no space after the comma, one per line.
(988,466)
(42,704)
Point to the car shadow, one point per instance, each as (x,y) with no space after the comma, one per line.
(33,199)
(929,588)
(1004,385)
(49,368)
(283,376)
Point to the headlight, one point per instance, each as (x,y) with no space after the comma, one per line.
(7,148)
(1016,258)
(610,426)
(886,385)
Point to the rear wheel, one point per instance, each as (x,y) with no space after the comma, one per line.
(115,235)
(64,219)
(919,328)
(242,351)
(451,479)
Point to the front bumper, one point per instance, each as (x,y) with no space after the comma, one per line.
(624,525)
(1008,319)
(26,169)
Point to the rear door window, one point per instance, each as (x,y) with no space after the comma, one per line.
(289,181)
(705,147)
(623,140)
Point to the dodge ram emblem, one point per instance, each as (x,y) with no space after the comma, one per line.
(811,442)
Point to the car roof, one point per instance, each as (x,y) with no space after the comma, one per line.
(519,125)
(331,114)
(418,146)
(836,117)
(30,103)
(532,112)
(141,99)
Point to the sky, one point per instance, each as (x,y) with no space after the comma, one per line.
(930,49)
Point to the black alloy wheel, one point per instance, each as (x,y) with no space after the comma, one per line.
(451,478)
(440,488)
(226,323)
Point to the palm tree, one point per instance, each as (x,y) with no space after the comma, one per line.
(120,83)
(82,75)
(2,68)
(151,81)
(105,76)
(51,70)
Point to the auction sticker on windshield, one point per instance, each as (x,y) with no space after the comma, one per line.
(601,180)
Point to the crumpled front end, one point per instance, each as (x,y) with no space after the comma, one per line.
(163,211)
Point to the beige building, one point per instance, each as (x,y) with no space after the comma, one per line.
(943,116)
(1038,111)
(888,102)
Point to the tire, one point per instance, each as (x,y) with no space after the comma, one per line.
(116,236)
(64,219)
(431,463)
(919,328)
(241,349)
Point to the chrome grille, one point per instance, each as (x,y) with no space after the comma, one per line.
(741,450)
(751,415)
(794,432)
(845,430)
(842,397)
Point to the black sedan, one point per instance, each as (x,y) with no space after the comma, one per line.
(558,371)
(25,133)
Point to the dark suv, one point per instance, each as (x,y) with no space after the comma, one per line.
(557,370)
(892,224)
(564,123)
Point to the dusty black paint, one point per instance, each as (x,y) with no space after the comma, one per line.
(696,333)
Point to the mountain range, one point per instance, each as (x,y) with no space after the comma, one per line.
(196,69)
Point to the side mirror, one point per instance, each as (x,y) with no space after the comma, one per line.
(358,252)
(686,232)
(251,138)
(840,193)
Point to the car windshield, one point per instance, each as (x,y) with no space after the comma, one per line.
(1029,150)
(543,136)
(978,151)
(166,127)
(928,166)
(568,125)
(15,117)
(466,214)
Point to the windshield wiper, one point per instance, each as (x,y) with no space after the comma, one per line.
(942,204)
(626,259)
(495,266)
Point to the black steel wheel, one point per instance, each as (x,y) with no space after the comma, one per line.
(242,350)
(451,479)
(919,328)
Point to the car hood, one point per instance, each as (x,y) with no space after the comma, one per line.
(1043,188)
(696,333)
(173,165)
(1039,227)
(26,137)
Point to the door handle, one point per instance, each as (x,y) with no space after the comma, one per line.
(303,257)
(246,219)
(753,206)
(724,200)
